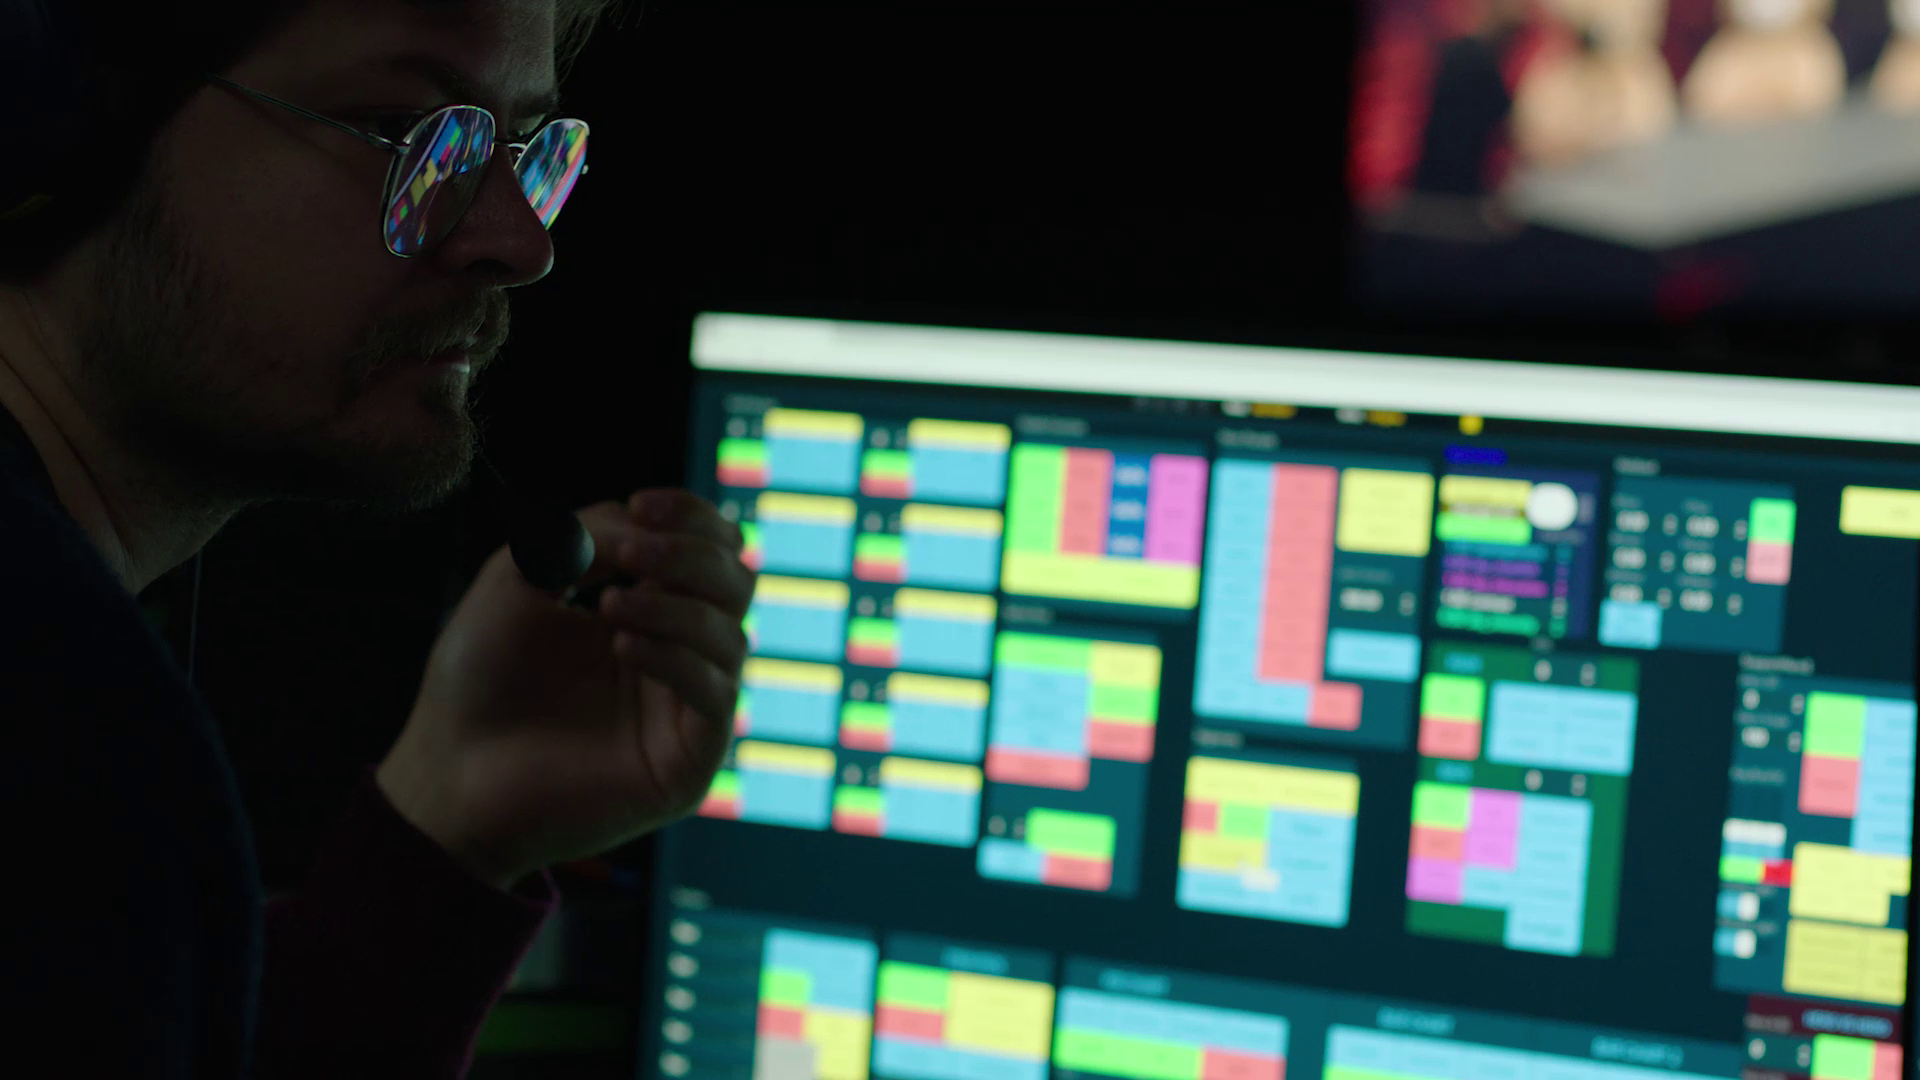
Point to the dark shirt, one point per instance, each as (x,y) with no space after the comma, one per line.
(144,947)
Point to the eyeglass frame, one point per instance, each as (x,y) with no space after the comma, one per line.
(400,149)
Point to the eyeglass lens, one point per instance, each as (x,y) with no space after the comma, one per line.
(437,178)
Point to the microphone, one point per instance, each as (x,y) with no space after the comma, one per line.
(550,547)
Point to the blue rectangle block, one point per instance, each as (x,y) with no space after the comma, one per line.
(945,646)
(962,561)
(831,466)
(1010,860)
(1040,710)
(1369,654)
(1172,1021)
(908,1059)
(937,817)
(805,547)
(925,729)
(780,798)
(1575,728)
(793,715)
(840,969)
(973,477)
(1632,626)
(804,633)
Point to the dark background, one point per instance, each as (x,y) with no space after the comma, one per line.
(1149,169)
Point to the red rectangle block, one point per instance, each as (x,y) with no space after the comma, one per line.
(1769,564)
(859,824)
(1777,872)
(713,806)
(781,1022)
(741,725)
(1116,741)
(1085,501)
(892,572)
(1217,1064)
(887,487)
(897,1022)
(1829,787)
(1334,705)
(1095,875)
(1455,739)
(1200,816)
(1433,843)
(1886,1061)
(743,476)
(872,655)
(1035,769)
(878,741)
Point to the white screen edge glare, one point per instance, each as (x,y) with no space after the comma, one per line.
(1736,404)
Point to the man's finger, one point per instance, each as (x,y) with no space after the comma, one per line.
(669,617)
(693,565)
(708,690)
(674,510)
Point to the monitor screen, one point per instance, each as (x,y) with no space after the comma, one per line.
(1665,158)
(1179,711)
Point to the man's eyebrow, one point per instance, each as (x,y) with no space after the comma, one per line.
(454,82)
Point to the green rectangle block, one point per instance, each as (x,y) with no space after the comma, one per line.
(1126,1055)
(1742,869)
(726,785)
(873,631)
(1242,819)
(1485,530)
(887,463)
(1487,622)
(745,452)
(1453,697)
(1064,832)
(866,715)
(1836,725)
(1044,653)
(915,986)
(865,801)
(750,534)
(1842,1057)
(1441,806)
(783,986)
(1125,702)
(879,546)
(1770,521)
(1037,482)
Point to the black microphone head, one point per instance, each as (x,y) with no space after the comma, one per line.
(550,546)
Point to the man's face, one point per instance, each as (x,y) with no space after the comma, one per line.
(243,322)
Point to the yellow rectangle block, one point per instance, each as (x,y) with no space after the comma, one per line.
(1004,1016)
(1385,513)
(953,519)
(1113,663)
(810,424)
(1484,491)
(1844,885)
(814,509)
(803,591)
(1853,962)
(929,774)
(937,688)
(1099,578)
(1871,511)
(840,1039)
(1290,786)
(1227,854)
(959,435)
(943,605)
(780,757)
(791,674)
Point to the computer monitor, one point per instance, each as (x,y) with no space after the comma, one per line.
(1180,711)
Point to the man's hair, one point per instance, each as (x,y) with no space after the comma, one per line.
(133,66)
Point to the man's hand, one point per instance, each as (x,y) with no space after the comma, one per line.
(544,732)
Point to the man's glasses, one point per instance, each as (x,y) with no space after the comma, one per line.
(437,169)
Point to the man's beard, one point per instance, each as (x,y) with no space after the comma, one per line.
(171,372)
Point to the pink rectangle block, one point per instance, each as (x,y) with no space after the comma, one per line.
(1120,742)
(1487,844)
(1218,1064)
(1176,508)
(1498,810)
(1445,845)
(1086,499)
(1886,1061)
(1334,705)
(1454,739)
(1293,635)
(1200,816)
(1769,564)
(1035,769)
(1067,872)
(1829,787)
(897,1022)
(1433,880)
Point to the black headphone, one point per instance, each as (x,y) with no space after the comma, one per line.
(42,85)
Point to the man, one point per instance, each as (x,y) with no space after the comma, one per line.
(236,330)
